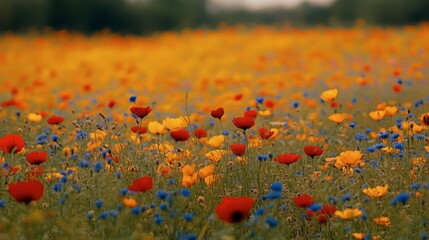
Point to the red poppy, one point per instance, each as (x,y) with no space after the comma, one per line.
(54,120)
(313,151)
(113,157)
(138,129)
(141,112)
(303,200)
(234,209)
(425,120)
(265,133)
(142,184)
(287,158)
(218,113)
(328,210)
(36,158)
(238,97)
(9,103)
(180,135)
(200,133)
(35,171)
(323,214)
(26,191)
(269,103)
(243,122)
(397,88)
(111,103)
(334,104)
(251,113)
(11,143)
(238,149)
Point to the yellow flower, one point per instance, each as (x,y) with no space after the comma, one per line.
(339,117)
(265,113)
(348,213)
(156,128)
(188,169)
(376,192)
(329,95)
(416,128)
(383,221)
(377,115)
(216,141)
(361,236)
(215,155)
(189,180)
(174,124)
(348,158)
(390,111)
(98,135)
(34,117)
(53,176)
(206,171)
(129,202)
(418,161)
(210,180)
(389,150)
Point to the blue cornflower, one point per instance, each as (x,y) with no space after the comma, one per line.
(295,104)
(57,187)
(98,166)
(188,236)
(55,137)
(315,207)
(158,219)
(2,203)
(260,100)
(83,163)
(163,206)
(276,186)
(136,210)
(162,194)
(415,186)
(99,203)
(399,145)
(371,149)
(361,137)
(420,137)
(333,200)
(400,198)
(90,215)
(272,196)
(103,215)
(188,216)
(260,211)
(352,125)
(133,99)
(346,197)
(185,192)
(271,222)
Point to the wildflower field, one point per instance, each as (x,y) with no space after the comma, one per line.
(235,133)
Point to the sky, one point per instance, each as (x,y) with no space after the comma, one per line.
(260,4)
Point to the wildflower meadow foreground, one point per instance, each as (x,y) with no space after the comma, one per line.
(235,133)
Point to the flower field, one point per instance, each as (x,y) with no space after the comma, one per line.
(235,133)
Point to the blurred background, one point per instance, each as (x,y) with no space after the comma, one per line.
(149,16)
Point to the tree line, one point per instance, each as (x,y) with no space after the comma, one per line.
(148,16)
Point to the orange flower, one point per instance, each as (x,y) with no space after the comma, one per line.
(377,115)
(329,95)
(129,202)
(376,192)
(383,221)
